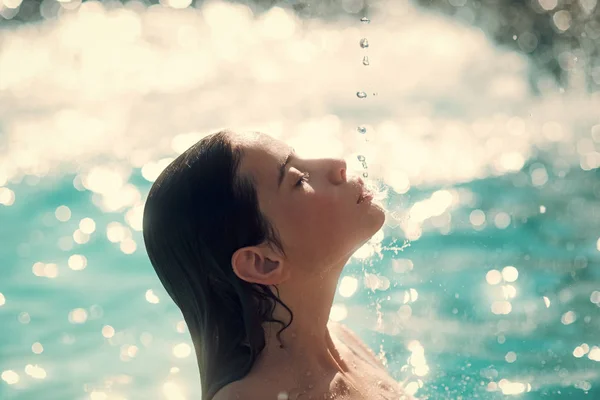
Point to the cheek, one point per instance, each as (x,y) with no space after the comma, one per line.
(317,218)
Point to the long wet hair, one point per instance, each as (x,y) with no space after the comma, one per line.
(199,211)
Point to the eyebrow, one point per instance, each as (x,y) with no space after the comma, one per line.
(282,168)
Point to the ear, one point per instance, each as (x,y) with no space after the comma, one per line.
(256,265)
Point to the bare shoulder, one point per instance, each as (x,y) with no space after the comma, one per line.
(381,373)
(349,336)
(248,388)
(238,390)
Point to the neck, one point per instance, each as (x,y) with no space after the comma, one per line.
(307,342)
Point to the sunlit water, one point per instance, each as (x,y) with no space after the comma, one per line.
(496,193)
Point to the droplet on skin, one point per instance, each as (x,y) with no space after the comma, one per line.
(283,396)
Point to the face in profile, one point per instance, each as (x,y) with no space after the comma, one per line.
(312,203)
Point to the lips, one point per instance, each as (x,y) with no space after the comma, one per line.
(364,194)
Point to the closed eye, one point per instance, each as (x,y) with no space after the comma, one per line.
(304,178)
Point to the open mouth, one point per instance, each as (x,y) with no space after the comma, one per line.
(365,195)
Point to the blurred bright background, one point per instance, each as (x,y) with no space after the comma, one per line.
(479,120)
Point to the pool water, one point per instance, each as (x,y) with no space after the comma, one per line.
(484,282)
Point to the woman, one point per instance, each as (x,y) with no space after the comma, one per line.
(249,240)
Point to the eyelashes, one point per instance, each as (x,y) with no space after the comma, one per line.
(302,179)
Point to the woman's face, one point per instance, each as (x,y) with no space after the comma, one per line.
(317,216)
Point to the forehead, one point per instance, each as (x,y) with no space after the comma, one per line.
(262,155)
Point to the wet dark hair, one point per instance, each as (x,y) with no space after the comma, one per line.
(199,211)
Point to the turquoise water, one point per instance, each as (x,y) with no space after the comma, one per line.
(465,345)
(484,282)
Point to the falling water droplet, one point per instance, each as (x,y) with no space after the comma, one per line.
(365,60)
(361,158)
(364,43)
(366,174)
(375,94)
(361,95)
(362,130)
(365,20)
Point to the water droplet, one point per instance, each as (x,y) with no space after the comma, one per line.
(362,130)
(361,95)
(365,174)
(364,164)
(365,20)
(375,94)
(364,43)
(514,37)
(361,158)
(365,60)
(283,396)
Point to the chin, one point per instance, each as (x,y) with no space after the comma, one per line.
(372,229)
(378,216)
